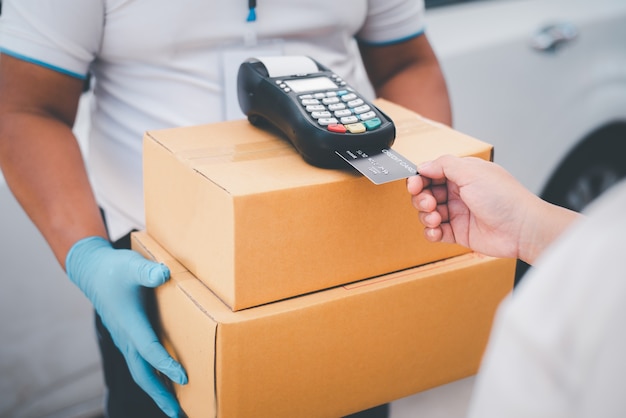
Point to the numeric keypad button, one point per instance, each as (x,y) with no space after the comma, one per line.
(361,109)
(324,114)
(315,108)
(356,103)
(337,106)
(349,119)
(368,115)
(349,96)
(326,121)
(308,102)
(342,113)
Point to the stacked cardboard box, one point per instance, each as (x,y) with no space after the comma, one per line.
(299,291)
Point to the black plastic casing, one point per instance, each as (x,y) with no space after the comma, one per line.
(262,100)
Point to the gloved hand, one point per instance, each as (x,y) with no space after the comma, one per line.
(113,280)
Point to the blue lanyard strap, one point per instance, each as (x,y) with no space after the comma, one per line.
(252,11)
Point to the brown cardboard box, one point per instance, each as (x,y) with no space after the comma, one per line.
(333,352)
(244,213)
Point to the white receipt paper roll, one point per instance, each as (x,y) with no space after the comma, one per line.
(280,66)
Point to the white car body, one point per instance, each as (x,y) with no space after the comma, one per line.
(535,107)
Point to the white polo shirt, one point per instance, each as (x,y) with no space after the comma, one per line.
(162,64)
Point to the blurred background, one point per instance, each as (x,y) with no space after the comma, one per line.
(544,81)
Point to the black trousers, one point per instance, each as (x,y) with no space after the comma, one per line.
(125,399)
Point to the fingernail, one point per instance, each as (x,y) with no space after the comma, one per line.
(182,378)
(164,269)
(178,375)
(159,274)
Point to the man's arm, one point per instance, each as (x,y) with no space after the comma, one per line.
(44,168)
(39,155)
(408,73)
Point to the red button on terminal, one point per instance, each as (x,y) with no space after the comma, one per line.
(337,127)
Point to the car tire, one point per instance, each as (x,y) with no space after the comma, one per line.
(598,163)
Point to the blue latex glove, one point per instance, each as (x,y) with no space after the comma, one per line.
(113,280)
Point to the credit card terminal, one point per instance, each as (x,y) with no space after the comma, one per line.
(313,107)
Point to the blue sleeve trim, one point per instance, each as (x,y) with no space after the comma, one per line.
(393,42)
(42,64)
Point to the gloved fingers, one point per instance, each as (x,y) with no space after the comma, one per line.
(149,380)
(146,343)
(138,338)
(145,272)
(159,358)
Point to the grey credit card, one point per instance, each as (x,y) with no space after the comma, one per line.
(381,166)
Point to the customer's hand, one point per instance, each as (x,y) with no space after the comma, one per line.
(478,204)
(115,282)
